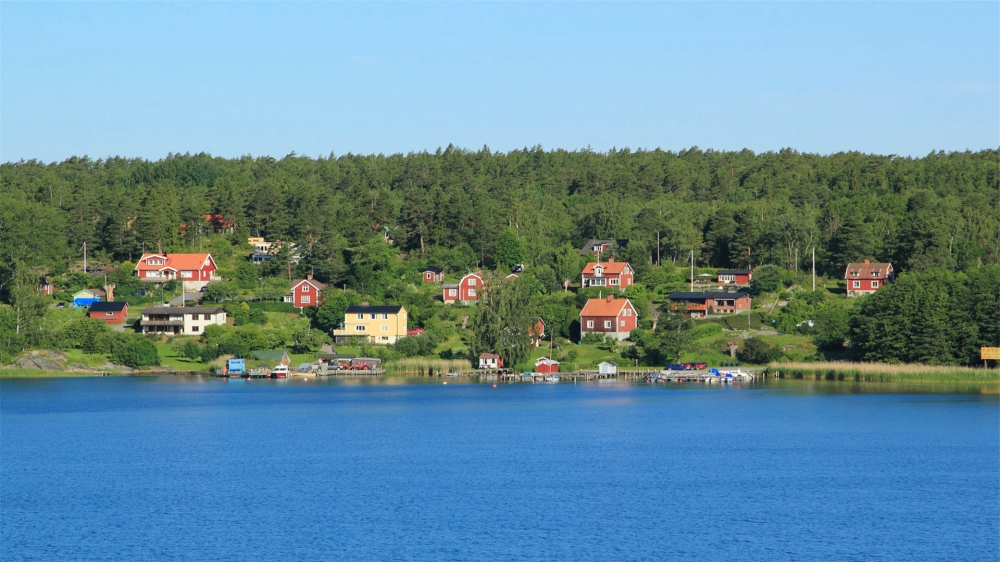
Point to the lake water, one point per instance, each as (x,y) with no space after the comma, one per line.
(175,468)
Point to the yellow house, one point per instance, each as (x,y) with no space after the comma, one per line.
(379,324)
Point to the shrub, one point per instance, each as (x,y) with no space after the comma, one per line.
(136,352)
(756,350)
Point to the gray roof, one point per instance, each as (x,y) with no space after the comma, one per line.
(613,243)
(108,307)
(183,310)
(270,354)
(704,296)
(373,308)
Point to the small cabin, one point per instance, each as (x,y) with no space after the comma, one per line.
(490,361)
(432,275)
(110,312)
(546,365)
(607,368)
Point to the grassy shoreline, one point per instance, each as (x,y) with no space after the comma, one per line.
(883,372)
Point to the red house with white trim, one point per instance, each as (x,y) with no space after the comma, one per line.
(466,291)
(432,275)
(616,275)
(537,332)
(734,276)
(610,317)
(866,277)
(546,365)
(110,312)
(306,292)
(197,269)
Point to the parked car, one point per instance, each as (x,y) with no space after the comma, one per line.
(701,365)
(60,305)
(689,367)
(674,367)
(305,368)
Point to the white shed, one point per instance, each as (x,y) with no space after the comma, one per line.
(607,368)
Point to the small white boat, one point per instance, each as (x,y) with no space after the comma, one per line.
(552,378)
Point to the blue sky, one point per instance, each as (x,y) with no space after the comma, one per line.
(145,79)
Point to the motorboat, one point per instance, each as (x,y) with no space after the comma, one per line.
(280,372)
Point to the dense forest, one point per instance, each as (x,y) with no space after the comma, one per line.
(450,207)
(936,218)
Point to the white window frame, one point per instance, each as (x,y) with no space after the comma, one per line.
(621,323)
(385,316)
(874,284)
(612,281)
(361,316)
(306,299)
(857,285)
(472,292)
(590,323)
(359,328)
(385,327)
(607,324)
(373,315)
(452,292)
(305,287)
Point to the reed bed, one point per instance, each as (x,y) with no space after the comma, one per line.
(41,374)
(885,372)
(426,367)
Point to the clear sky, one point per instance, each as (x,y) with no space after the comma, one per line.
(145,79)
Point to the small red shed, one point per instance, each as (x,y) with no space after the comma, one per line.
(110,312)
(546,365)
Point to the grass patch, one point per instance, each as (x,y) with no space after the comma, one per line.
(171,360)
(426,367)
(885,372)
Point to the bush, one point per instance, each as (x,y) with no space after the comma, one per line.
(136,352)
(220,292)
(766,279)
(756,350)
(592,338)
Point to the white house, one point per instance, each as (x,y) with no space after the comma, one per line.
(607,368)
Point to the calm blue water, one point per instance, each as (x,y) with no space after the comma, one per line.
(199,469)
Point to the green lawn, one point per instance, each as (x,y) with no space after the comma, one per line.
(171,360)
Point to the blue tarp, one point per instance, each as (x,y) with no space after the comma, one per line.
(84,303)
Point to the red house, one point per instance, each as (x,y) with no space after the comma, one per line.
(698,305)
(432,275)
(466,291)
(490,361)
(546,365)
(45,286)
(110,312)
(189,268)
(866,277)
(613,274)
(610,317)
(735,276)
(306,292)
(537,332)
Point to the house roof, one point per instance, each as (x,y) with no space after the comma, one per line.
(108,307)
(610,267)
(183,310)
(489,356)
(545,361)
(174,261)
(612,363)
(867,269)
(270,354)
(313,282)
(703,296)
(95,292)
(432,270)
(734,272)
(450,286)
(385,309)
(612,243)
(609,306)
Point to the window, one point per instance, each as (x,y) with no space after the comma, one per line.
(194,328)
(452,292)
(305,288)
(472,292)
(306,299)
(187,274)
(383,338)
(874,284)
(607,323)
(472,282)
(385,316)
(590,323)
(385,327)
(359,328)
(595,282)
(874,274)
(361,316)
(622,323)
(857,284)
(612,282)
(109,313)
(373,315)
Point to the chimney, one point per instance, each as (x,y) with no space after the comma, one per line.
(611,298)
(868,261)
(309,276)
(611,259)
(364,303)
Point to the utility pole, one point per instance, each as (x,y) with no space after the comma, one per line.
(796,262)
(692,271)
(85,257)
(814,269)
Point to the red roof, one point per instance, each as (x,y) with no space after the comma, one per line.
(610,267)
(175,261)
(609,306)
(867,270)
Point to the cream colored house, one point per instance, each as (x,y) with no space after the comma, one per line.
(180,319)
(378,324)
